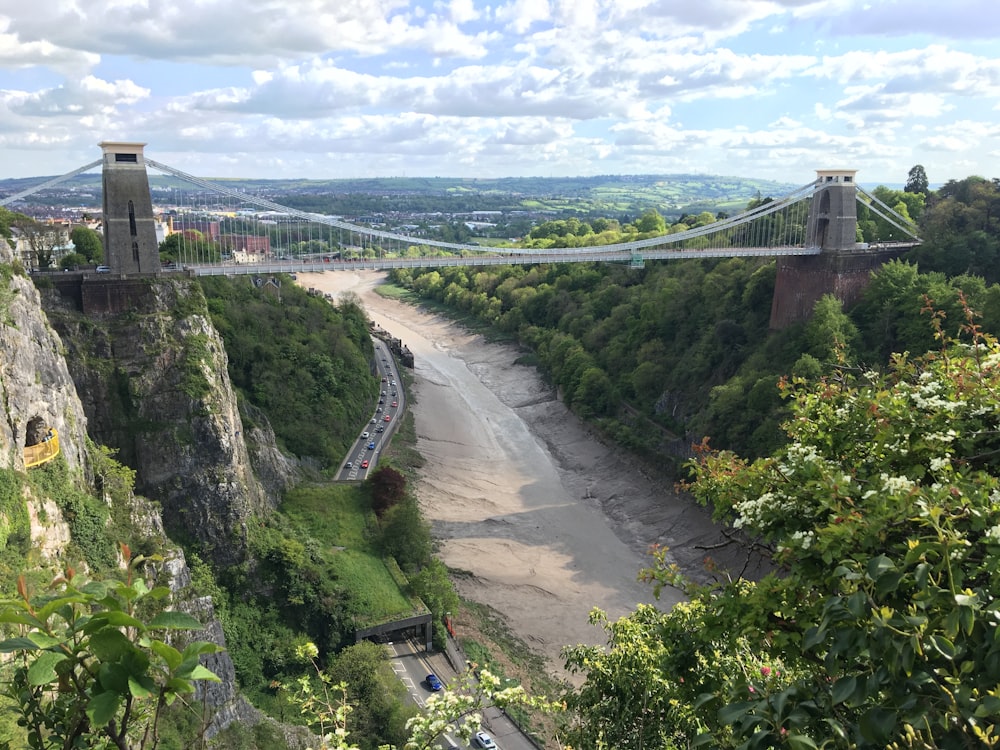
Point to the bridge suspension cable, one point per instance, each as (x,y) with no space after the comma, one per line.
(49,183)
(747,233)
(720,227)
(889,214)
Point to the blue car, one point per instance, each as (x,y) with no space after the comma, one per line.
(434,683)
(371,446)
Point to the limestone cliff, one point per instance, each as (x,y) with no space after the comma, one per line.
(35,384)
(153,381)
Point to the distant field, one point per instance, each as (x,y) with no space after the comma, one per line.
(606,195)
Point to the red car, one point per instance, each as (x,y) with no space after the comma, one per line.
(394,403)
(364,464)
(388,417)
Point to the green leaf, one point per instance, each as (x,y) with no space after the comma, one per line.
(44,640)
(168,653)
(110,644)
(197,648)
(17,644)
(43,670)
(178,685)
(879,565)
(142,686)
(800,742)
(988,706)
(843,689)
(888,583)
(173,620)
(702,700)
(202,673)
(943,646)
(968,619)
(117,619)
(102,708)
(49,608)
(114,678)
(703,739)
(877,725)
(966,600)
(813,637)
(733,712)
(18,617)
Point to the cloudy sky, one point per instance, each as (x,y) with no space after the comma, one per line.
(351,88)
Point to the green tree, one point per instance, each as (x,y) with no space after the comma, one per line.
(406,536)
(916,180)
(457,710)
(651,222)
(374,692)
(88,670)
(88,243)
(72,260)
(388,488)
(877,628)
(435,589)
(830,334)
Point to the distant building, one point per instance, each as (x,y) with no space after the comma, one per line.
(209,230)
(246,248)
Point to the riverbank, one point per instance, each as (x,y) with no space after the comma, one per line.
(544,520)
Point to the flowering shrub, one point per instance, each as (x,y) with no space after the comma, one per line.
(883,517)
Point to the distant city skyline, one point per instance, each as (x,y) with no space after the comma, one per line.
(325,89)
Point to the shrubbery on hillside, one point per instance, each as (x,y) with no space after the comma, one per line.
(302,361)
(878,628)
(683,347)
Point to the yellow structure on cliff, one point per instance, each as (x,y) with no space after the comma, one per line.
(39,453)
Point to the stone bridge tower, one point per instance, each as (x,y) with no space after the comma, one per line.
(843,267)
(129,233)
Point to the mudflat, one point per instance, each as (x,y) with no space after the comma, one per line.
(548,521)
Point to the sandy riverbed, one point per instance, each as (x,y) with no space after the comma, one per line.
(549,522)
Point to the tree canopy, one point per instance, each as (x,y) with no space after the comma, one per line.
(876,629)
(916,180)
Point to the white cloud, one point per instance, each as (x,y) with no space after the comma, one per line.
(521,15)
(517,86)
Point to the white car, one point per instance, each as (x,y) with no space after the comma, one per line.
(483,740)
(364,435)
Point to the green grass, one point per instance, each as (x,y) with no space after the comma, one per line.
(375,591)
(338,517)
(334,514)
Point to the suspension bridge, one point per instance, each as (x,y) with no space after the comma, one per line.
(812,231)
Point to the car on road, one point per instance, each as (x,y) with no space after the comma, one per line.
(380,428)
(371,445)
(350,464)
(364,434)
(394,404)
(434,683)
(387,417)
(364,464)
(483,740)
(373,420)
(103,269)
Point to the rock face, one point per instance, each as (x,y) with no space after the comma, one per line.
(35,384)
(154,385)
